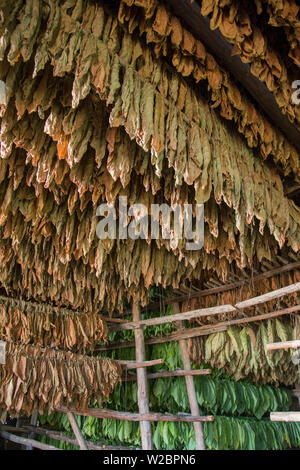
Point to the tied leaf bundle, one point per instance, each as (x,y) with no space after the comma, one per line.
(44,379)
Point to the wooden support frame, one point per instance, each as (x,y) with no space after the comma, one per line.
(138,417)
(190,386)
(143,400)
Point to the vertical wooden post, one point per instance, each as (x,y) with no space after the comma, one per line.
(143,401)
(77,432)
(189,380)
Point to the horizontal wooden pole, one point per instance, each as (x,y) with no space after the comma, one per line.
(167,373)
(275,294)
(25,441)
(204,312)
(283,345)
(187,333)
(126,416)
(286,416)
(224,287)
(139,365)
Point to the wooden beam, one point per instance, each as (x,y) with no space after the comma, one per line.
(222,50)
(204,312)
(225,287)
(137,417)
(283,345)
(138,365)
(275,294)
(25,441)
(286,416)
(190,386)
(166,373)
(77,431)
(143,400)
(33,421)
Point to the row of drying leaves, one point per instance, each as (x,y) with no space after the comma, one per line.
(22,322)
(167,35)
(224,433)
(61,161)
(36,379)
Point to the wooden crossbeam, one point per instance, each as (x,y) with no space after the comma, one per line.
(137,417)
(143,400)
(138,365)
(204,312)
(275,294)
(286,416)
(187,333)
(25,441)
(167,373)
(225,287)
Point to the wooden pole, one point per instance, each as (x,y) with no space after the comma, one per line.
(138,365)
(25,441)
(127,416)
(143,401)
(77,431)
(189,380)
